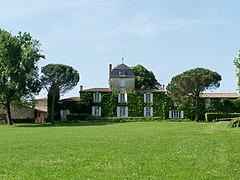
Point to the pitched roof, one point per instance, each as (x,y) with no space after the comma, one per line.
(122,70)
(71,99)
(40,108)
(219,95)
(149,90)
(97,90)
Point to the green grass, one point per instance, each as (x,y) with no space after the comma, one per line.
(147,150)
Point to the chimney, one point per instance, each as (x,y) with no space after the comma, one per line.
(110,70)
(81,88)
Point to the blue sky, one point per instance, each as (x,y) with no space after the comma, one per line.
(168,37)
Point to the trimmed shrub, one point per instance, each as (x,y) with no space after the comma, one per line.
(77,117)
(86,117)
(217,116)
(235,123)
(28,120)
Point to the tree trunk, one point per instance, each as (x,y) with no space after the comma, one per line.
(197,109)
(9,116)
(53,106)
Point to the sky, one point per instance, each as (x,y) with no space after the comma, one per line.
(167,37)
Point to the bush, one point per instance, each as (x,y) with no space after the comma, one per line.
(235,123)
(77,117)
(28,120)
(215,116)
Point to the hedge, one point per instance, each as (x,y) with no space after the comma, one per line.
(85,117)
(28,120)
(216,116)
(235,123)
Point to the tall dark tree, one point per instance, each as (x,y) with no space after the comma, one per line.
(145,79)
(19,78)
(58,79)
(187,86)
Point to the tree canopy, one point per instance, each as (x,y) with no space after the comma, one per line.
(145,79)
(58,79)
(19,78)
(187,86)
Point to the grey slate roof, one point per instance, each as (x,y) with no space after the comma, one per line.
(122,70)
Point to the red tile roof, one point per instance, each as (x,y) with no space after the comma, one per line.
(71,99)
(219,95)
(149,90)
(41,108)
(97,90)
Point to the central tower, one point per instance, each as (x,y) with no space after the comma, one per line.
(121,78)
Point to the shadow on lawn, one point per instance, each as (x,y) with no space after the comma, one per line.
(82,123)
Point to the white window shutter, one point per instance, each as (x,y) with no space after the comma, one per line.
(125,97)
(126,111)
(93,110)
(94,97)
(118,111)
(170,114)
(182,114)
(119,98)
(100,111)
(151,97)
(145,110)
(151,111)
(99,97)
(145,97)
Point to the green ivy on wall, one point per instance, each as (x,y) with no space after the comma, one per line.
(135,104)
(161,104)
(109,104)
(85,104)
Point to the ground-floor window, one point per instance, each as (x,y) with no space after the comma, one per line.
(96,110)
(63,113)
(122,111)
(176,114)
(148,111)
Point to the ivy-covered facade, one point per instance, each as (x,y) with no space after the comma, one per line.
(121,99)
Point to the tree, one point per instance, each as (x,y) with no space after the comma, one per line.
(236,62)
(145,79)
(187,86)
(19,78)
(58,79)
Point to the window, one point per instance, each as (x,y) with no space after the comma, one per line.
(122,98)
(96,97)
(148,111)
(63,113)
(96,111)
(176,114)
(122,111)
(207,103)
(122,83)
(148,97)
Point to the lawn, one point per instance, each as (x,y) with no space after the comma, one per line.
(146,150)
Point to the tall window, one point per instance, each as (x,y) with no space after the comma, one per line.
(122,97)
(122,83)
(96,111)
(122,111)
(176,114)
(148,97)
(207,103)
(97,97)
(148,111)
